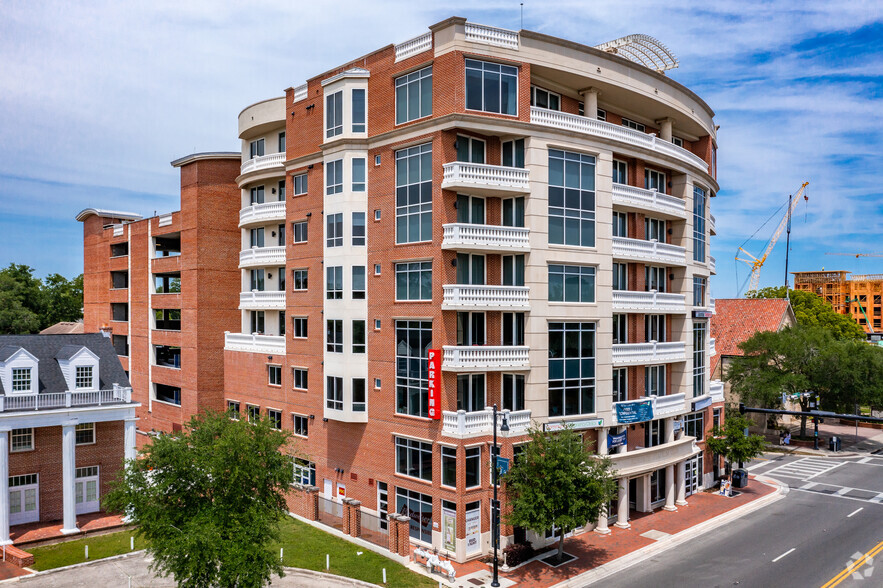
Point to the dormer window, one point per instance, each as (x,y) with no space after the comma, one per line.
(18,370)
(83,377)
(79,365)
(21,379)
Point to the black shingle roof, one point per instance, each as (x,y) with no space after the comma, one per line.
(47,348)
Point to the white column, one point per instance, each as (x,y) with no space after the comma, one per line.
(625,447)
(670,488)
(590,102)
(622,511)
(670,430)
(682,488)
(4,486)
(68,476)
(665,126)
(129,438)
(602,528)
(602,441)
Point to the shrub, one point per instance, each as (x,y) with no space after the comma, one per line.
(518,553)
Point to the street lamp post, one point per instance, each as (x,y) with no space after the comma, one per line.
(495,506)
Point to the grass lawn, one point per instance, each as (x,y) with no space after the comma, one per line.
(305,547)
(74,552)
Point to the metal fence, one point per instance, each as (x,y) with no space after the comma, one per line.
(331,513)
(375,529)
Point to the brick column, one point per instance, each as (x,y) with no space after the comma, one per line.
(403,537)
(393,536)
(345,509)
(355,518)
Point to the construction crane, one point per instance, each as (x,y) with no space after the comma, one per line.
(757,263)
(857,255)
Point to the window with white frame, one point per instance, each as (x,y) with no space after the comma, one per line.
(620,172)
(513,391)
(513,328)
(654,180)
(281,143)
(359,336)
(654,327)
(85,434)
(654,433)
(602,114)
(358,282)
(275,418)
(274,375)
(334,393)
(654,380)
(257,195)
(698,224)
(233,410)
(473,467)
(700,331)
(571,198)
(21,439)
(571,368)
(256,148)
(300,184)
(470,149)
(491,87)
(334,336)
(300,231)
(358,229)
(253,413)
(620,276)
(449,466)
(471,390)
(513,212)
(334,114)
(358,107)
(334,230)
(542,98)
(620,224)
(414,194)
(83,377)
(413,341)
(620,385)
(633,125)
(678,142)
(304,472)
(299,279)
(21,379)
(334,177)
(571,283)
(334,283)
(414,280)
(513,155)
(654,229)
(513,270)
(620,329)
(654,278)
(360,401)
(694,425)
(414,458)
(301,424)
(699,286)
(358,179)
(414,95)
(299,378)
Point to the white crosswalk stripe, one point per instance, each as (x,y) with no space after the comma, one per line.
(805,469)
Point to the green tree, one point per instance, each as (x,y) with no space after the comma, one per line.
(209,500)
(556,482)
(850,374)
(28,305)
(63,299)
(732,442)
(811,310)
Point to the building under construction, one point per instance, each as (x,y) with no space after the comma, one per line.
(858,295)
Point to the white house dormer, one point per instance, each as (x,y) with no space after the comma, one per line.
(79,366)
(18,371)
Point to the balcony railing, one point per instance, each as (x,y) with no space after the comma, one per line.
(486,237)
(711,224)
(259,256)
(606,130)
(265,300)
(668,405)
(642,199)
(629,300)
(716,391)
(272,344)
(263,162)
(712,265)
(485,358)
(639,461)
(69,399)
(712,350)
(653,251)
(260,213)
(472,297)
(648,353)
(491,36)
(484,179)
(413,46)
(480,422)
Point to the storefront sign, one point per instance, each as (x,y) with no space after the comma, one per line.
(473,531)
(449,529)
(435,384)
(617,440)
(678,425)
(636,411)
(586,424)
(702,314)
(700,404)
(502,465)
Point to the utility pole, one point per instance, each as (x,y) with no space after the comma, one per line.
(788,248)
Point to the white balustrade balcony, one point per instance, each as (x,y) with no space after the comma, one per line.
(639,461)
(250,343)
(487,238)
(648,251)
(68,399)
(491,36)
(653,301)
(669,405)
(648,353)
(481,179)
(711,306)
(639,199)
(261,162)
(612,132)
(716,391)
(266,212)
(711,224)
(478,423)
(481,358)
(265,300)
(712,265)
(712,350)
(413,46)
(475,297)
(300,93)
(262,256)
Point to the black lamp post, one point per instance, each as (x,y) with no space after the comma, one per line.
(495,505)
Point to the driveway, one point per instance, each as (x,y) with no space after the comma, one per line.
(117,572)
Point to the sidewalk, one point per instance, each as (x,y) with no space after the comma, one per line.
(593,550)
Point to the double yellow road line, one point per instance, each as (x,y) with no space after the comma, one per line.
(854,566)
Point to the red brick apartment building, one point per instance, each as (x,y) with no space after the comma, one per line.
(533,210)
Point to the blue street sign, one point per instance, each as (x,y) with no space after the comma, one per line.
(503,465)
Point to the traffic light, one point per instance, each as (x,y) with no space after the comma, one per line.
(741,408)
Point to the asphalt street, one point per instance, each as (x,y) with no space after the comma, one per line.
(832,515)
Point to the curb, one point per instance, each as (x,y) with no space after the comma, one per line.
(72,566)
(630,559)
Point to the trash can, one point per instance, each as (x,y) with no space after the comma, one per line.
(834,444)
(740,478)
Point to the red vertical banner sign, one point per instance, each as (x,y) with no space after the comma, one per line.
(435,384)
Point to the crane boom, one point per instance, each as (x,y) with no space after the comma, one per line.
(858,254)
(757,263)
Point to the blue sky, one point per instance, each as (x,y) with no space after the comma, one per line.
(96,98)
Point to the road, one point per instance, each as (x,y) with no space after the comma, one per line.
(832,515)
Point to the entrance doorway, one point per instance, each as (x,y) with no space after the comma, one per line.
(383,505)
(24,503)
(86,490)
(693,475)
